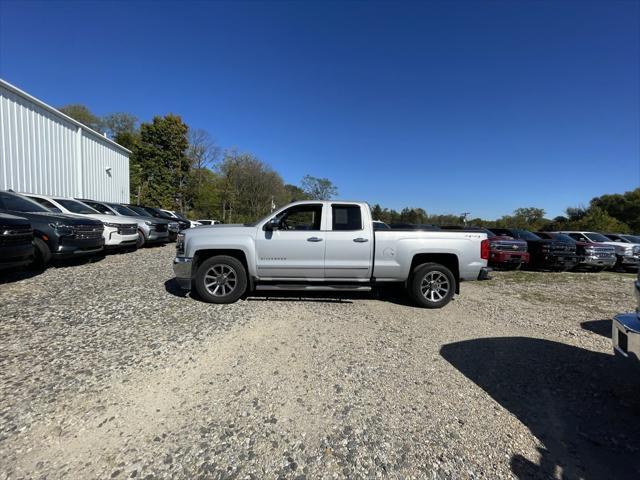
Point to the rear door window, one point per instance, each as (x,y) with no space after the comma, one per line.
(346,217)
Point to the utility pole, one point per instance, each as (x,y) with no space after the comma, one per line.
(464,216)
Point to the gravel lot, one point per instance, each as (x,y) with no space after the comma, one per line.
(108,371)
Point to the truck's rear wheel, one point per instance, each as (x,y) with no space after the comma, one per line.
(432,285)
(221,279)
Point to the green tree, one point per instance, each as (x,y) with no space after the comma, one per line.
(413,215)
(202,154)
(119,124)
(161,162)
(82,114)
(250,187)
(294,193)
(623,207)
(205,194)
(376,212)
(599,220)
(318,188)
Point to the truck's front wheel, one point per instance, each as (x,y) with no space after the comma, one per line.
(221,279)
(432,285)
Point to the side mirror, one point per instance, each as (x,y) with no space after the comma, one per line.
(271,225)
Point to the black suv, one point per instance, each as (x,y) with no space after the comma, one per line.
(173,226)
(56,235)
(16,241)
(156,212)
(544,254)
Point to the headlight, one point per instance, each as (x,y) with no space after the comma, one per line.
(112,225)
(180,244)
(148,223)
(62,228)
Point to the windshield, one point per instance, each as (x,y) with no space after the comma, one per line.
(526,235)
(544,235)
(632,238)
(564,238)
(596,237)
(122,210)
(139,210)
(75,207)
(18,203)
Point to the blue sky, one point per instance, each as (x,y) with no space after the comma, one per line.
(450,106)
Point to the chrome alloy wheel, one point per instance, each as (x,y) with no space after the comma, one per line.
(435,286)
(220,280)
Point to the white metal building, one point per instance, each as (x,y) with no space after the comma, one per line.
(44,151)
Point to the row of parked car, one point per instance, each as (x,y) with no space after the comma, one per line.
(36,229)
(512,248)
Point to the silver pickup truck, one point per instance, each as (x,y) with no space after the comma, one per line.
(327,245)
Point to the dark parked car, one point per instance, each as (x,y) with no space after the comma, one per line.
(506,252)
(544,254)
(173,226)
(157,213)
(594,256)
(56,235)
(16,241)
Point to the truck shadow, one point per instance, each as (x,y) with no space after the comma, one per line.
(582,405)
(386,294)
(601,327)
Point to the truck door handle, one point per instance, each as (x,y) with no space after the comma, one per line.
(360,240)
(314,239)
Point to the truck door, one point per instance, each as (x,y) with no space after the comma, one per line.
(295,249)
(348,254)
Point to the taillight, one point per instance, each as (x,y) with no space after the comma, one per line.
(484,249)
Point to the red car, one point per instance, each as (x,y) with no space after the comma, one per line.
(506,252)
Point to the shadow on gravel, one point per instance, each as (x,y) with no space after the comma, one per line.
(601,327)
(17,274)
(23,273)
(582,405)
(172,287)
(386,294)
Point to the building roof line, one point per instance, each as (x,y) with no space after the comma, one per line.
(49,108)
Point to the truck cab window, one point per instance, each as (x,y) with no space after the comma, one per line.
(346,217)
(303,217)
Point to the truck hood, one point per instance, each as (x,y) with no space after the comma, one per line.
(51,217)
(104,218)
(219,230)
(6,219)
(620,247)
(139,220)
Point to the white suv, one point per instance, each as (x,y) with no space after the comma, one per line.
(116,234)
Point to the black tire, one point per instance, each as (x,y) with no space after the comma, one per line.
(221,269)
(42,253)
(141,239)
(435,294)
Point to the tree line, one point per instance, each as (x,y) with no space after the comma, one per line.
(181,168)
(607,213)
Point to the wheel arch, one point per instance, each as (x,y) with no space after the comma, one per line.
(449,260)
(201,255)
